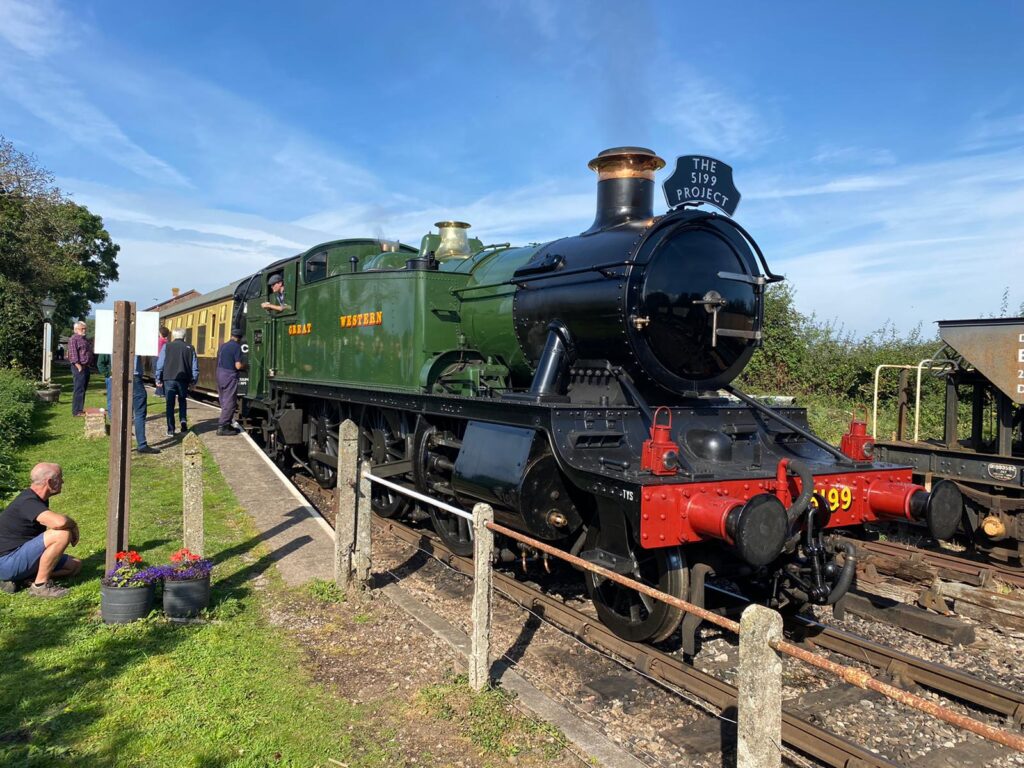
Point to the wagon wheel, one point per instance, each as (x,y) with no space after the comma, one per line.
(630,614)
(382,440)
(322,445)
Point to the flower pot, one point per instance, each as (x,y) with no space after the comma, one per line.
(48,395)
(121,605)
(185,599)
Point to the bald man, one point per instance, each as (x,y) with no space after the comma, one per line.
(33,538)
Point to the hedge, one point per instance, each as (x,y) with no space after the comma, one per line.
(17,402)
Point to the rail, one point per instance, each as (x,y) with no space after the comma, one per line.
(353,474)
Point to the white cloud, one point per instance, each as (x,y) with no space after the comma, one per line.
(55,100)
(831,187)
(712,120)
(35,27)
(989,131)
(918,242)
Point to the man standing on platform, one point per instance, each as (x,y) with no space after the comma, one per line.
(229,363)
(80,359)
(177,369)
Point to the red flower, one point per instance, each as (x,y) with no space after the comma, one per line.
(134,557)
(183,555)
(121,556)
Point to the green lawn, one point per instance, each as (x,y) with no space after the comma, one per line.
(230,692)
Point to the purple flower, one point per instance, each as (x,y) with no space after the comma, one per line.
(127,575)
(186,571)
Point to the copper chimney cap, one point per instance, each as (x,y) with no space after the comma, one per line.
(626,163)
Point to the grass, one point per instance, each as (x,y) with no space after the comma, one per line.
(325,591)
(229,692)
(488,719)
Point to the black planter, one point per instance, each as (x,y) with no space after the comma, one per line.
(121,605)
(185,599)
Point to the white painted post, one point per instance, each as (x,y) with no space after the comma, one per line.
(345,513)
(192,492)
(483,597)
(759,727)
(364,525)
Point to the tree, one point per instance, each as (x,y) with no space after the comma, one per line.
(777,366)
(48,245)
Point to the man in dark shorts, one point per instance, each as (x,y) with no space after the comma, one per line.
(229,363)
(33,538)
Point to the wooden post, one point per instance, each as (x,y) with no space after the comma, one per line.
(119,482)
(345,515)
(759,719)
(483,597)
(364,525)
(192,492)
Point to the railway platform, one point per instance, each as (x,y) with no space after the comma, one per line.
(299,541)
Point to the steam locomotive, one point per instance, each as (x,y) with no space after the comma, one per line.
(583,387)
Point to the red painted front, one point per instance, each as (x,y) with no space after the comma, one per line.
(680,513)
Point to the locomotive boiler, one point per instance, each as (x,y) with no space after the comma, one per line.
(583,387)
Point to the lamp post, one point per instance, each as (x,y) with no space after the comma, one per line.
(47,306)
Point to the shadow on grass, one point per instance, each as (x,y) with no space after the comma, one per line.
(42,419)
(235,586)
(57,670)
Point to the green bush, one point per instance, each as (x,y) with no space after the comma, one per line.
(17,401)
(801,355)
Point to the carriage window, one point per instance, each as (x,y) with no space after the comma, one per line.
(201,341)
(316,267)
(188,336)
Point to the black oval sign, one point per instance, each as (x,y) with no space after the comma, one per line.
(1004,472)
(701,179)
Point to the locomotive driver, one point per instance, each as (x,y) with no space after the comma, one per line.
(276,304)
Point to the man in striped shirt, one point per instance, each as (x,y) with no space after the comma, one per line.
(80,359)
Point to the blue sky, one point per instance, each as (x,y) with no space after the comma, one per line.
(879,146)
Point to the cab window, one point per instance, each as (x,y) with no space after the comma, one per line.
(253,289)
(315,267)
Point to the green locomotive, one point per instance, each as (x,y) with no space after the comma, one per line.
(575,385)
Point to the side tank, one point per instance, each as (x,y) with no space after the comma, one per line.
(486,307)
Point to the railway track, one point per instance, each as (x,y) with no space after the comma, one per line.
(799,732)
(915,564)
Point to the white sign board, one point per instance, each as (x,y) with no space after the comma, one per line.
(147,333)
(103,344)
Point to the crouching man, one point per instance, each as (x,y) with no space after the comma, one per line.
(33,538)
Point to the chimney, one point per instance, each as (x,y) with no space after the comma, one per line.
(175,292)
(625,186)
